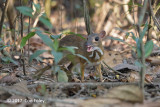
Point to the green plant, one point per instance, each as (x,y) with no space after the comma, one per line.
(148,45)
(36,15)
(52,42)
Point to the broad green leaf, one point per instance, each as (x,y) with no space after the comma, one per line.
(8,59)
(81,56)
(45,39)
(24,39)
(27,11)
(127,34)
(46,22)
(148,48)
(133,36)
(56,36)
(36,54)
(62,76)
(142,33)
(36,28)
(120,40)
(57,56)
(68,48)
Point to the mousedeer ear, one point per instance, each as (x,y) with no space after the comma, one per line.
(102,34)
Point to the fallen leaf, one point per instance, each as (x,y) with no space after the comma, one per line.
(130,93)
(133,76)
(9,79)
(148,78)
(21,87)
(128,66)
(99,102)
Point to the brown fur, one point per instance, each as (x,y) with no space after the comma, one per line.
(81,44)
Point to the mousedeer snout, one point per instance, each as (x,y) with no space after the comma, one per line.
(88,44)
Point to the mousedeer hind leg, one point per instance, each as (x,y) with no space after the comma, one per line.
(68,69)
(82,71)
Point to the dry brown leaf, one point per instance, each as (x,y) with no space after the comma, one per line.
(133,76)
(128,66)
(21,87)
(11,79)
(130,93)
(99,102)
(154,61)
(148,78)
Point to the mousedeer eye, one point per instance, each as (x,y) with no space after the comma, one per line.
(96,38)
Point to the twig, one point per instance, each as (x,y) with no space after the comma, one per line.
(113,69)
(87,18)
(126,10)
(38,73)
(30,3)
(12,91)
(89,85)
(142,12)
(142,73)
(152,90)
(134,18)
(4,8)
(23,52)
(153,16)
(79,92)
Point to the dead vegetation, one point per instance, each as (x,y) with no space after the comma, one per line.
(27,80)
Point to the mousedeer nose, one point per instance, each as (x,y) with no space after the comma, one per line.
(86,44)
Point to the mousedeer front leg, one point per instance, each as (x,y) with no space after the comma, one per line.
(98,68)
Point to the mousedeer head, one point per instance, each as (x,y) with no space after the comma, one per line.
(94,42)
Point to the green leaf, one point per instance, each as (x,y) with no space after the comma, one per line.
(36,28)
(57,56)
(24,39)
(42,89)
(36,54)
(127,34)
(27,11)
(118,39)
(144,31)
(68,48)
(8,59)
(62,76)
(148,48)
(45,39)
(55,36)
(46,22)
(81,56)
